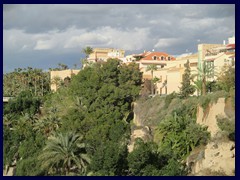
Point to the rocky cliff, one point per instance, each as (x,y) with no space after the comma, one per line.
(218,156)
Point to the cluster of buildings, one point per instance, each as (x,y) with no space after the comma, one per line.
(170,69)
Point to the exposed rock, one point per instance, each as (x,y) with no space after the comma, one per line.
(212,160)
(10,171)
(209,118)
(141,132)
(219,155)
(232,147)
(215,146)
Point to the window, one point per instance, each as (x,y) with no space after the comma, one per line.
(162,58)
(169,58)
(154,57)
(193,64)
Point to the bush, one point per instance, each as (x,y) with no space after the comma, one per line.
(227,125)
(169,99)
(204,101)
(23,103)
(180,135)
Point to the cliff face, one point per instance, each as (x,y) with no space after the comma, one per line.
(218,156)
(208,117)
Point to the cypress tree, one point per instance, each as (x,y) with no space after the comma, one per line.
(186,89)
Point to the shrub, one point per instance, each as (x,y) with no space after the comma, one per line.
(204,101)
(227,125)
(169,99)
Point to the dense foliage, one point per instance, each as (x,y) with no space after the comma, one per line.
(84,128)
(180,135)
(23,103)
(28,79)
(186,88)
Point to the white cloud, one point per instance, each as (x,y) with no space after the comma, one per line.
(44,45)
(76,39)
(167,42)
(130,39)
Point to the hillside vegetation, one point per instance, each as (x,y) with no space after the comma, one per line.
(85,127)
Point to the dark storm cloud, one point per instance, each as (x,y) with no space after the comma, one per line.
(51,29)
(39,18)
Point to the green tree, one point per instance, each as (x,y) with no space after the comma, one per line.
(28,79)
(106,92)
(151,68)
(87,51)
(62,66)
(65,153)
(186,88)
(57,81)
(145,159)
(23,103)
(226,78)
(180,135)
(110,159)
(203,74)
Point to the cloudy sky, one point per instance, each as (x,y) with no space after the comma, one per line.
(42,36)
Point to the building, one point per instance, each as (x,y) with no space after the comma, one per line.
(128,59)
(160,59)
(102,54)
(217,56)
(170,70)
(58,77)
(170,76)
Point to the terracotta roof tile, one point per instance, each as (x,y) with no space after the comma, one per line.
(150,56)
(231,46)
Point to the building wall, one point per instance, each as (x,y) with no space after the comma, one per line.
(105,53)
(202,50)
(174,80)
(231,40)
(62,74)
(172,72)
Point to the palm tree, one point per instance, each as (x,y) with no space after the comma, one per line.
(203,74)
(87,51)
(48,124)
(65,153)
(198,86)
(57,81)
(75,66)
(151,68)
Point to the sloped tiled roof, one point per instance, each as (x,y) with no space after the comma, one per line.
(231,46)
(149,56)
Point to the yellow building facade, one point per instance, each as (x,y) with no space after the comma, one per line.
(60,76)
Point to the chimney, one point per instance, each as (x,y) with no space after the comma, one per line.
(224,42)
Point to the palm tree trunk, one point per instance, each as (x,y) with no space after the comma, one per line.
(152,83)
(204,86)
(42,86)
